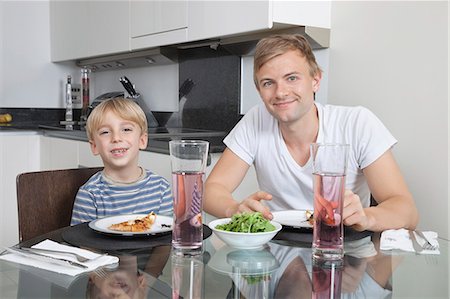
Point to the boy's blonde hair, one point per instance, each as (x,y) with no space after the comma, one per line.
(124,108)
(275,45)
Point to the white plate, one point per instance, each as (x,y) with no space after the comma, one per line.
(162,224)
(292,218)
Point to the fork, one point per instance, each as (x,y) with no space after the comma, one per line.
(427,245)
(100,272)
(79,258)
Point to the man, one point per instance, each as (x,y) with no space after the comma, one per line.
(276,138)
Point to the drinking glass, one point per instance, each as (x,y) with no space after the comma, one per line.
(329,170)
(188,159)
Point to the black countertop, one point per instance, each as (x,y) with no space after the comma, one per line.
(158,140)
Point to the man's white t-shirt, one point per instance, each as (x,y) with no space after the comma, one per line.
(257,140)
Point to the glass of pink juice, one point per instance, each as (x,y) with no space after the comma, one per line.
(188,160)
(329,169)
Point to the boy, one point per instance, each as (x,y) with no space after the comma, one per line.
(117,130)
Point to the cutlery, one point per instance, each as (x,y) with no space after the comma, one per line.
(418,248)
(45,258)
(80,258)
(130,86)
(427,245)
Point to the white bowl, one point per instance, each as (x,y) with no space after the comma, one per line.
(243,240)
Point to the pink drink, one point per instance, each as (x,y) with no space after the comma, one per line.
(187,234)
(328,205)
(326,281)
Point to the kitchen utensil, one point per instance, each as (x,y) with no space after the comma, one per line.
(127,85)
(427,245)
(45,258)
(418,247)
(80,258)
(133,92)
(185,88)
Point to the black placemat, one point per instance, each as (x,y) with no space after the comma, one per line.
(306,235)
(83,236)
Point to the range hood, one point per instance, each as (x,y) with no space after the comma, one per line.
(154,56)
(241,45)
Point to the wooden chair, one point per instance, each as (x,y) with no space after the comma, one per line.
(45,199)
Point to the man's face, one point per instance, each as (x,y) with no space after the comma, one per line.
(286,87)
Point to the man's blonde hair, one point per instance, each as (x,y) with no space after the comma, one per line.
(124,108)
(273,46)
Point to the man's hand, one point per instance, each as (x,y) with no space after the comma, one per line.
(354,214)
(253,204)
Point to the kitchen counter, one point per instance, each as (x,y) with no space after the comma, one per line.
(158,140)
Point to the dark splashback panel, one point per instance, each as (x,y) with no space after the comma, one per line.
(213,102)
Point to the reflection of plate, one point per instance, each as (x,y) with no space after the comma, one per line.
(292,218)
(162,224)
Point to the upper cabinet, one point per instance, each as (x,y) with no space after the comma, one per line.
(212,19)
(86,29)
(157,23)
(81,29)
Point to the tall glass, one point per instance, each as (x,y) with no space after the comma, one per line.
(329,170)
(188,159)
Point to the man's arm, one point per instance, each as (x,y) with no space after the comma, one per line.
(226,176)
(396,207)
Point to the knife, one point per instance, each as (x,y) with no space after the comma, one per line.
(45,258)
(130,86)
(416,245)
(126,85)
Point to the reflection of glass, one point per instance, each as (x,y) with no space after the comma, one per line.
(188,158)
(327,279)
(251,270)
(187,277)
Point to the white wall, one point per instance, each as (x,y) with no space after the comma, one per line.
(392,57)
(29,79)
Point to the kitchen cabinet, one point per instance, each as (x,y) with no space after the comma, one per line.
(58,153)
(85,156)
(157,23)
(210,19)
(19,152)
(81,29)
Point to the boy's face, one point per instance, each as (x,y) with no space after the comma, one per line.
(118,141)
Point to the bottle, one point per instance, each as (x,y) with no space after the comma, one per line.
(68,94)
(85,94)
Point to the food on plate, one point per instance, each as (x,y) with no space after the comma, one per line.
(309,216)
(247,223)
(135,225)
(5,118)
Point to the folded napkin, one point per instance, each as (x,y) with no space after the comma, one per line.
(400,239)
(98,259)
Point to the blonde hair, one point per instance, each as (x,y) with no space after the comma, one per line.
(124,108)
(273,46)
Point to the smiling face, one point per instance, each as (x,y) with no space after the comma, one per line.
(287,87)
(118,142)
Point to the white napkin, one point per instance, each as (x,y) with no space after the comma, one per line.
(68,270)
(400,239)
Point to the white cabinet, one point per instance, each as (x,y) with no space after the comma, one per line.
(85,156)
(58,153)
(210,19)
(81,29)
(19,152)
(157,23)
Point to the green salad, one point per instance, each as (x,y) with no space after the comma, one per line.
(247,223)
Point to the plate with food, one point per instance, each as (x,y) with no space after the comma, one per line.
(133,224)
(294,218)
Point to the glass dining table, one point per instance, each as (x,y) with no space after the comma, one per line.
(283,268)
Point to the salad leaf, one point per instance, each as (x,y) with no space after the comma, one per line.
(247,223)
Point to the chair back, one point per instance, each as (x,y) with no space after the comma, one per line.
(45,199)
